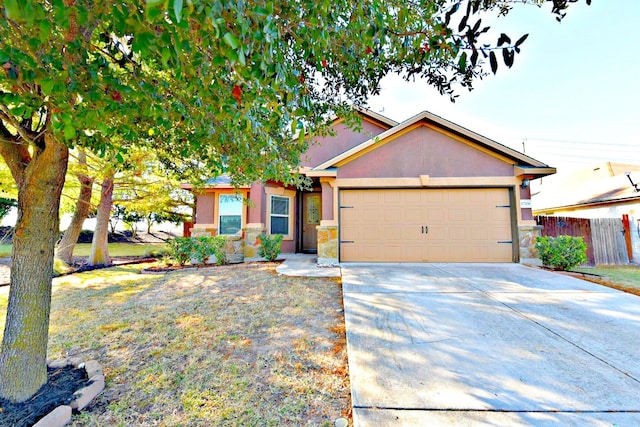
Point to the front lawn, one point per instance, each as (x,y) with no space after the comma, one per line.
(623,277)
(233,345)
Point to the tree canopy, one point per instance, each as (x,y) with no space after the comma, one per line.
(223,85)
(226,82)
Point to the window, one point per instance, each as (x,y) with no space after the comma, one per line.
(279,215)
(280,211)
(230,214)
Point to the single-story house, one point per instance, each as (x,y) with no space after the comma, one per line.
(607,190)
(424,190)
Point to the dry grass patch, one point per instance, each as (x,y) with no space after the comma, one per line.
(622,277)
(217,346)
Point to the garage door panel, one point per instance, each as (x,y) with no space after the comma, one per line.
(464,225)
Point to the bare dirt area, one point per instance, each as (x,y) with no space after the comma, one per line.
(234,345)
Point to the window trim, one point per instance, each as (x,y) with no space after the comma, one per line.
(241,196)
(281,192)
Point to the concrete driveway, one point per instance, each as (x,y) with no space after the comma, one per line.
(489,344)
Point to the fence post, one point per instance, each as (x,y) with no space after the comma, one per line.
(627,234)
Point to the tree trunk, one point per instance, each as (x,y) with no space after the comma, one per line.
(100,242)
(83,207)
(23,368)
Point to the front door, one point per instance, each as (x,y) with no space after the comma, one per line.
(311,212)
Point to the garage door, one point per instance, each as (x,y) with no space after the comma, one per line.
(435,225)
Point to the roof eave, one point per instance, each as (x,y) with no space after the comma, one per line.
(522,159)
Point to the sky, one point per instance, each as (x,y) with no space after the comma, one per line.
(571,99)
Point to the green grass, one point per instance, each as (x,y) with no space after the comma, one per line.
(122,249)
(5,250)
(115,249)
(622,277)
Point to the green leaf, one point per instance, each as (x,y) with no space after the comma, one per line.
(45,30)
(46,85)
(462,62)
(12,10)
(154,8)
(142,41)
(232,55)
(231,40)
(177,9)
(69,131)
(263,11)
(119,157)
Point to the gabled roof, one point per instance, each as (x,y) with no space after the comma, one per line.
(375,116)
(603,184)
(527,165)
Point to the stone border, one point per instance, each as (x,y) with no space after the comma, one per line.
(61,416)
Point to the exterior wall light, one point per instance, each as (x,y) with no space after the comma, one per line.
(525,183)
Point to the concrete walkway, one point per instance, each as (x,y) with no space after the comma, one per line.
(305,265)
(486,344)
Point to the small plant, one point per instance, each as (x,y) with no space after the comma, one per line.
(562,252)
(207,246)
(198,249)
(270,245)
(181,249)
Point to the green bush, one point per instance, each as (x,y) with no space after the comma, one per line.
(180,249)
(270,245)
(204,247)
(198,249)
(562,252)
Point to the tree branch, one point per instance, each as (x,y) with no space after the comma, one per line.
(6,115)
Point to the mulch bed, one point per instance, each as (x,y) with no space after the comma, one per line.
(59,389)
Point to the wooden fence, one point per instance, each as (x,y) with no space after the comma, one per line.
(605,237)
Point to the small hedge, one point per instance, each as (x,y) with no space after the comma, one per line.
(198,249)
(562,252)
(270,245)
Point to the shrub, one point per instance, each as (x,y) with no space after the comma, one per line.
(207,246)
(198,249)
(562,252)
(270,245)
(180,249)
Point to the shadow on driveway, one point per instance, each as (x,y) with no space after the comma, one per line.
(494,344)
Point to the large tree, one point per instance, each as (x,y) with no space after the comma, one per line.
(225,84)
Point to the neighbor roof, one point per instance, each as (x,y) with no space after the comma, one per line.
(606,183)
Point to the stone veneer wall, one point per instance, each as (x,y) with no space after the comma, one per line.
(327,245)
(251,243)
(203,231)
(527,237)
(234,247)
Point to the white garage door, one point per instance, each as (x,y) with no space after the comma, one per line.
(435,225)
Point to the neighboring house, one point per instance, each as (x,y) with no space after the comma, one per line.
(603,191)
(424,190)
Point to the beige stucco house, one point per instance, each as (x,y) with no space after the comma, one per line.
(424,190)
